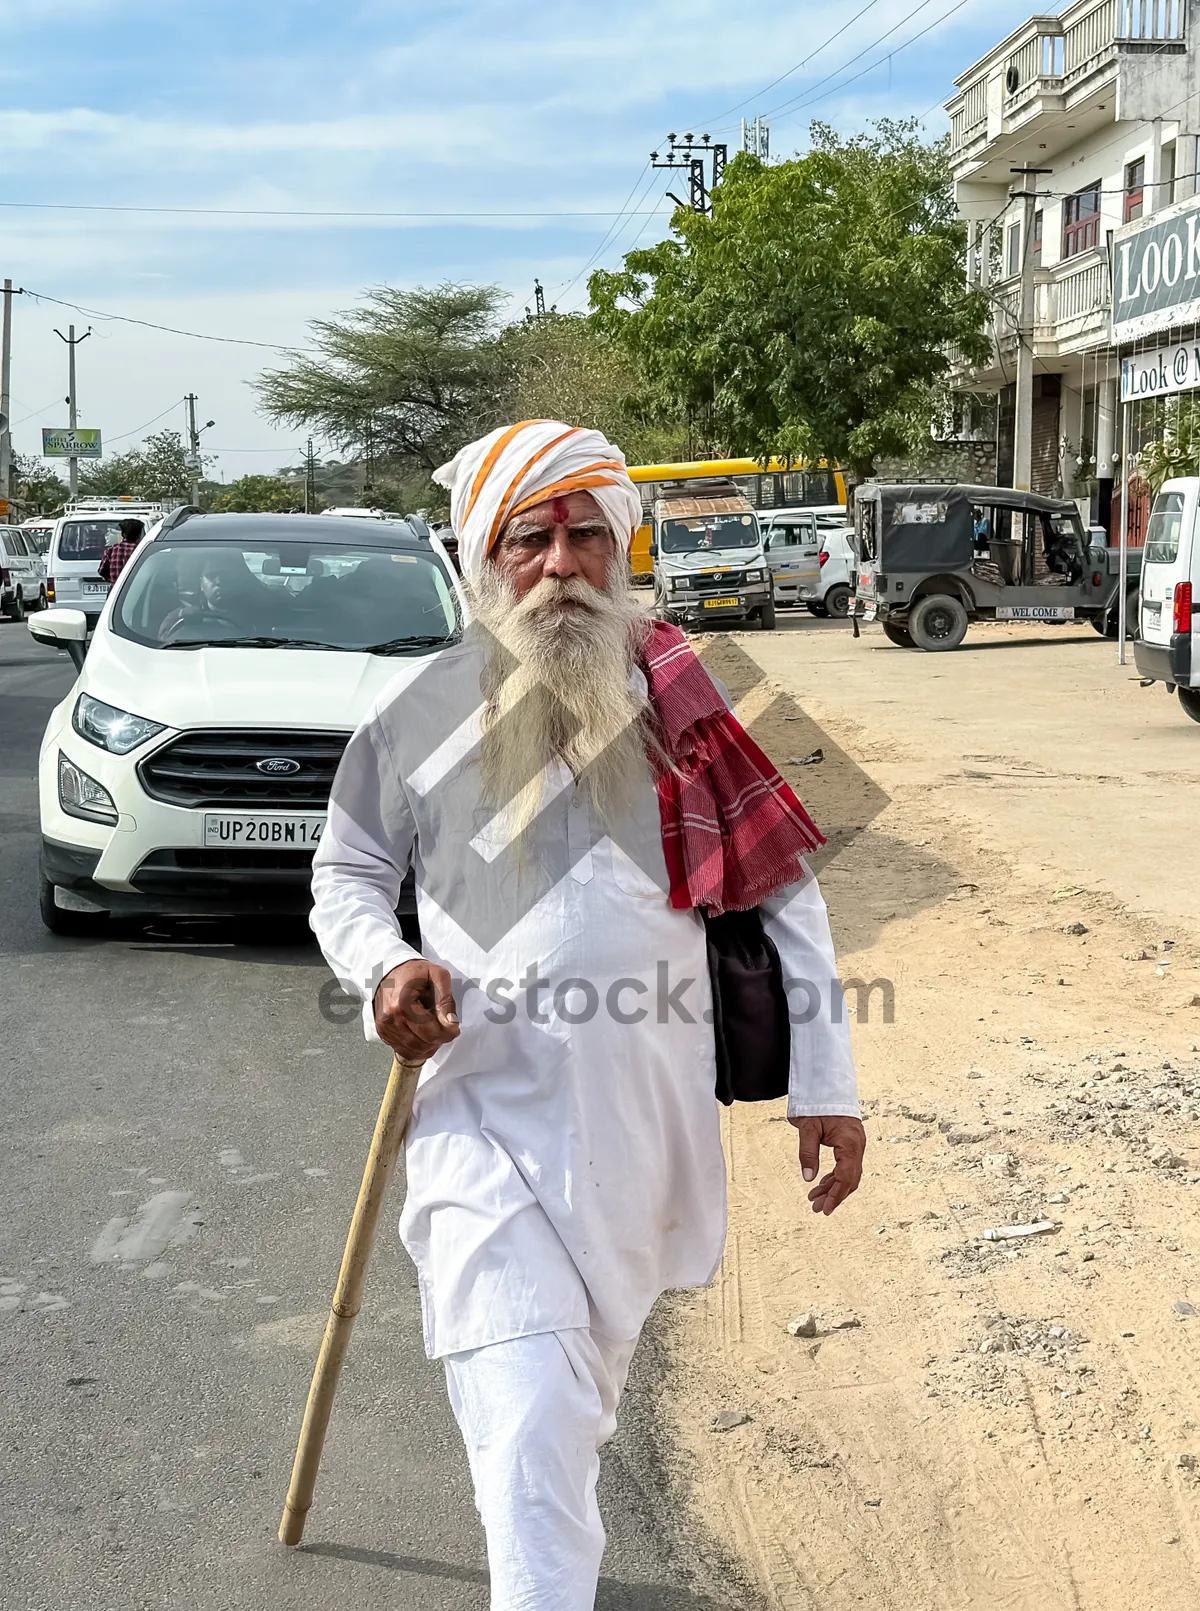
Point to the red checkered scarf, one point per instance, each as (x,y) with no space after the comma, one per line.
(732,829)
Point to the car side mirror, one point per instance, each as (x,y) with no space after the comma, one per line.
(61,629)
(653,550)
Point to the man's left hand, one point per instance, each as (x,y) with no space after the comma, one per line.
(848,1141)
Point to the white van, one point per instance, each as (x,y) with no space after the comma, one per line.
(22,574)
(81,535)
(1167,648)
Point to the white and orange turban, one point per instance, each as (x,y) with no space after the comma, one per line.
(517,466)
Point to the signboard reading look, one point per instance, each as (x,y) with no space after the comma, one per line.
(68,444)
(1157,374)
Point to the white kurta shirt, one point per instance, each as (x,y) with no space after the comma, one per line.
(564,1160)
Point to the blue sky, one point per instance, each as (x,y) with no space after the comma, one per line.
(471,107)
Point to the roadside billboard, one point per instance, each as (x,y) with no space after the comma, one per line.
(68,444)
(1156,272)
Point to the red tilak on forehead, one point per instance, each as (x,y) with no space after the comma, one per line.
(558,508)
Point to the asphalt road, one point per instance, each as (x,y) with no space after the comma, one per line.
(181,1139)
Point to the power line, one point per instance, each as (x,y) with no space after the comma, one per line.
(290,212)
(608,233)
(807,98)
(171,330)
(729,110)
(121,435)
(615,232)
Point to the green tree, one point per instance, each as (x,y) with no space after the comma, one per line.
(252,494)
(157,470)
(42,490)
(810,315)
(564,367)
(402,381)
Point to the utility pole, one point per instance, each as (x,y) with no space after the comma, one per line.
(683,154)
(193,458)
(73,415)
(1023,423)
(310,480)
(6,400)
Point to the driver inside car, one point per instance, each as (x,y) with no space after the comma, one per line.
(227,594)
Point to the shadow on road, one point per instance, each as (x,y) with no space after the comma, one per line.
(612,1596)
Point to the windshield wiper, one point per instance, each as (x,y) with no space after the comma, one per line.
(399,645)
(252,643)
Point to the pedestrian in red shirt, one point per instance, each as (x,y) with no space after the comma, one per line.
(117,555)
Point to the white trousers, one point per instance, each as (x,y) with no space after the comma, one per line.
(534,1413)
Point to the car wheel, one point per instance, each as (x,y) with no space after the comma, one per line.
(1112,621)
(42,602)
(837,602)
(1100,623)
(937,622)
(898,635)
(1189,698)
(766,617)
(817,609)
(73,925)
(16,610)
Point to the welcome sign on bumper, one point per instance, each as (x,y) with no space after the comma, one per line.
(1156,274)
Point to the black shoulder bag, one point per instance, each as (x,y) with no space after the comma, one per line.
(750,1012)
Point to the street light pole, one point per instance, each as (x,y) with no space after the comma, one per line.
(1124,548)
(194,446)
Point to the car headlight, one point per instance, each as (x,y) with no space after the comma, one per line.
(678,583)
(81,796)
(117,731)
(754,576)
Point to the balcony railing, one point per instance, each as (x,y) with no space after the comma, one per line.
(1051,55)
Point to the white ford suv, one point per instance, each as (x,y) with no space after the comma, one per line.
(188,770)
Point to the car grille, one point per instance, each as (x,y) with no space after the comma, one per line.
(217,767)
(726,582)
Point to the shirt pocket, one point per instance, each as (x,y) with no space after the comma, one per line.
(632,878)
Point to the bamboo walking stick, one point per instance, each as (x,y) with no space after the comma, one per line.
(394,1114)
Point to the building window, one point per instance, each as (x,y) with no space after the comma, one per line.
(1081,221)
(1135,189)
(1037,236)
(1168,175)
(1012,251)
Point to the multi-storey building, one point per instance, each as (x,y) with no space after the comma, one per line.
(1074,151)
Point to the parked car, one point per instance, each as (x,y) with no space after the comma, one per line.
(22,574)
(81,535)
(39,533)
(930,558)
(792,540)
(1167,649)
(188,770)
(835,579)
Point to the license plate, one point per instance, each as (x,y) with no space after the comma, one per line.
(1035,612)
(100,589)
(721,604)
(225,830)
(1152,614)
(869,612)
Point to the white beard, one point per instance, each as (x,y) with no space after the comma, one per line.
(563,654)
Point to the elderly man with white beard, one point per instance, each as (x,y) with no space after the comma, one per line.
(576,801)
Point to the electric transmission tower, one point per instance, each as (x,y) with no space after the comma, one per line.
(690,154)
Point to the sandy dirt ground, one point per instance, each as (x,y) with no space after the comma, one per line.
(1008,1425)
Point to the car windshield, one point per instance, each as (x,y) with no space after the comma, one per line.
(1162,534)
(680,536)
(286,594)
(87,539)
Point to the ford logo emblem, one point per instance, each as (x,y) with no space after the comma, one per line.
(278,766)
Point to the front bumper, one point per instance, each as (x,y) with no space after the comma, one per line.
(171,883)
(693,609)
(1165,663)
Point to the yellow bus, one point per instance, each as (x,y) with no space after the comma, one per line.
(780,486)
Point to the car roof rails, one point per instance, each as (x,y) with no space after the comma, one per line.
(178,516)
(418,524)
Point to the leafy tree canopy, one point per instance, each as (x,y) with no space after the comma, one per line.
(41,489)
(809,316)
(157,470)
(402,382)
(253,494)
